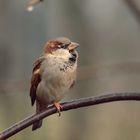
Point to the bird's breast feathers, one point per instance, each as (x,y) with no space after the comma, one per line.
(57,76)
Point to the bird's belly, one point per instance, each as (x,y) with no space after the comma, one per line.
(54,88)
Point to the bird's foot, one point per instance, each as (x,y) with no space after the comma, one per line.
(58,107)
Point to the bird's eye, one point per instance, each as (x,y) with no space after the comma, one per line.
(63,46)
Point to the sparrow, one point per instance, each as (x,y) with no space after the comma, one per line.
(53,74)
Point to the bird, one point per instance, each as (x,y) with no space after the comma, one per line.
(53,74)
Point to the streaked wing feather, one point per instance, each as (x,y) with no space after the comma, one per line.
(36,78)
(72,84)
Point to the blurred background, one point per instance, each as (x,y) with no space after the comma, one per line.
(108,32)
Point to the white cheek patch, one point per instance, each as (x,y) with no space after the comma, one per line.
(62,53)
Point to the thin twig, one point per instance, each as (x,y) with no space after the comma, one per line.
(67,106)
(134,8)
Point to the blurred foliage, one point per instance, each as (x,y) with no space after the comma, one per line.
(108,34)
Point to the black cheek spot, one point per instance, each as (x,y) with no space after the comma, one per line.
(74,55)
(72,59)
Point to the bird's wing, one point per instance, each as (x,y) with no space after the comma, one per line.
(36,78)
(73,83)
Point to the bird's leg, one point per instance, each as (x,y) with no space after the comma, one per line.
(58,107)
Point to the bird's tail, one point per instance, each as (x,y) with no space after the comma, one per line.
(39,108)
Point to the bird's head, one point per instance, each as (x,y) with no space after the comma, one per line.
(62,47)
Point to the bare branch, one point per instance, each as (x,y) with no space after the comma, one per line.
(134,8)
(67,106)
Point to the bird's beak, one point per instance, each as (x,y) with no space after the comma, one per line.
(73,46)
